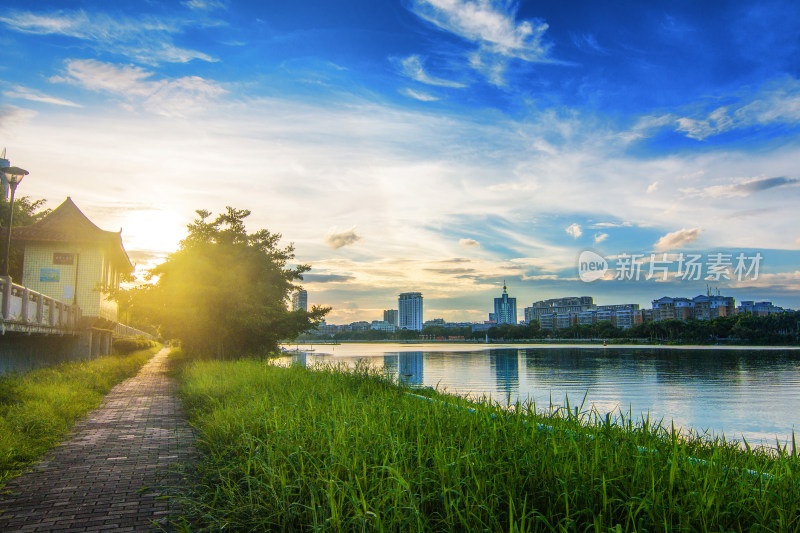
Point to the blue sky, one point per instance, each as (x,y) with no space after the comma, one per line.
(432,145)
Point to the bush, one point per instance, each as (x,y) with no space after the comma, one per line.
(126,346)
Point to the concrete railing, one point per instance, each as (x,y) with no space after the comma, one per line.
(30,311)
(123,331)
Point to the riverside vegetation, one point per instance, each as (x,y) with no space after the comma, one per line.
(38,408)
(331,449)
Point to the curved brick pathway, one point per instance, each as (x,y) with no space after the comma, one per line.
(111,472)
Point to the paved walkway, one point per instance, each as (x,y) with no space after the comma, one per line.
(110,473)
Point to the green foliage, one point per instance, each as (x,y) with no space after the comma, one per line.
(225,290)
(126,346)
(289,449)
(39,407)
(26,212)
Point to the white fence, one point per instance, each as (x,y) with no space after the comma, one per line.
(31,311)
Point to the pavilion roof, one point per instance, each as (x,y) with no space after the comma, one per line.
(67,224)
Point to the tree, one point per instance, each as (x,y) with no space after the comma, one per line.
(226,291)
(26,212)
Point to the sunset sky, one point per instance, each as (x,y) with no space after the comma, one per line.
(440,146)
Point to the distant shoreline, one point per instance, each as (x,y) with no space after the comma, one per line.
(551,345)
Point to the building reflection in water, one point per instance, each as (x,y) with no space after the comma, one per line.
(299,358)
(390,364)
(410,368)
(505,364)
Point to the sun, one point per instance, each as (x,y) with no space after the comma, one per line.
(152,231)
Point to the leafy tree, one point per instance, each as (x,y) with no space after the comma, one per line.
(26,212)
(226,291)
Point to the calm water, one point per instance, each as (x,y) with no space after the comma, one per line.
(751,393)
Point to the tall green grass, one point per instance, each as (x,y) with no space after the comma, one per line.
(289,449)
(39,407)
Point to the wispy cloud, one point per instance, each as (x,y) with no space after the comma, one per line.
(574,230)
(624,224)
(774,103)
(204,5)
(600,237)
(413,67)
(418,95)
(345,238)
(493,28)
(35,96)
(490,25)
(11,117)
(468,243)
(145,39)
(587,42)
(137,88)
(677,239)
(327,278)
(740,188)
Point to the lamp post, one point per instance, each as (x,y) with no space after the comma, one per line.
(13,175)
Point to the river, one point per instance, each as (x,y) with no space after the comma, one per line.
(752,393)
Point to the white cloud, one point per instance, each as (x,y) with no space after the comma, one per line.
(418,95)
(412,66)
(600,237)
(13,117)
(36,96)
(491,26)
(774,103)
(468,243)
(624,224)
(137,88)
(740,188)
(344,238)
(653,187)
(503,187)
(146,39)
(677,239)
(204,5)
(574,230)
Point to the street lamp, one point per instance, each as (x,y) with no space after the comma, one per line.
(13,175)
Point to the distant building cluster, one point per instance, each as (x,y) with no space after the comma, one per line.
(559,313)
(702,307)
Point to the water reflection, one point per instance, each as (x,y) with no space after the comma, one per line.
(736,392)
(410,368)
(505,366)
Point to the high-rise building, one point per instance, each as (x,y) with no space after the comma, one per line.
(390,316)
(410,311)
(505,308)
(300,301)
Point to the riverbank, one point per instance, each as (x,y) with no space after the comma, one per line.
(472,346)
(291,448)
(38,408)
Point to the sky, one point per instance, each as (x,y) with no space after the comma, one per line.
(440,146)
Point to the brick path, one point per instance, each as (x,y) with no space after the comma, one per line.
(112,470)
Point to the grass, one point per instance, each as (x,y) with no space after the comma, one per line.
(38,408)
(290,449)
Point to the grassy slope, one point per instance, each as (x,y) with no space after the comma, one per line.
(39,407)
(291,449)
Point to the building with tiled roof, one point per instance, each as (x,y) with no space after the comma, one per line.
(67,257)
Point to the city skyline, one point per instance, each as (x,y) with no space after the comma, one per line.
(443,146)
